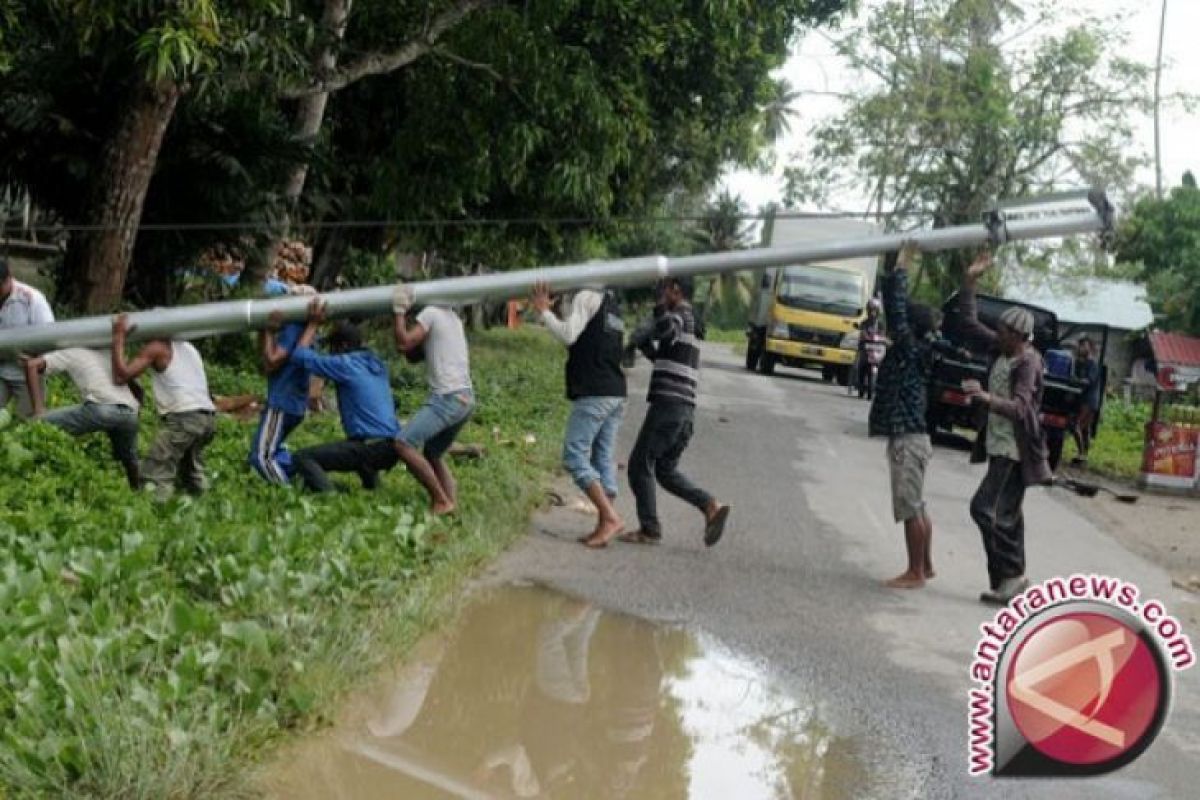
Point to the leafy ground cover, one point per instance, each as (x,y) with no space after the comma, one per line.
(1117,449)
(156,651)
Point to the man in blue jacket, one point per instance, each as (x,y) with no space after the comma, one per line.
(287,393)
(364,402)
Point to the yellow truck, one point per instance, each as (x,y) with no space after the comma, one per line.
(808,315)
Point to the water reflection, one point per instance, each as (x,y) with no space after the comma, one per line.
(539,695)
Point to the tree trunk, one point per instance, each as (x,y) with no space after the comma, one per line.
(310,113)
(328,257)
(100,256)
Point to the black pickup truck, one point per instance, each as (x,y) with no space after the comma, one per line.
(948,405)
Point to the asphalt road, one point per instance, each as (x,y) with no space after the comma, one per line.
(796,585)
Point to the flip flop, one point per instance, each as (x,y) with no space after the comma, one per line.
(716,526)
(638,537)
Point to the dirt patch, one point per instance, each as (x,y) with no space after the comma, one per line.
(1162,529)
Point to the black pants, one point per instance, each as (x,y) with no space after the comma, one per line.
(664,436)
(996,509)
(366,458)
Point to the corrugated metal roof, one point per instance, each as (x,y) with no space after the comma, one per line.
(1176,349)
(1118,304)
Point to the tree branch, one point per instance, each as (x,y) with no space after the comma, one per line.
(488,69)
(383,63)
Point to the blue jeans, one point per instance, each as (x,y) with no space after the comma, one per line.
(433,428)
(269,456)
(589,448)
(119,422)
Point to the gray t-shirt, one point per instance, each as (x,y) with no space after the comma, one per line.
(446,362)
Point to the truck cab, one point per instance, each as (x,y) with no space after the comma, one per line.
(808,315)
(1062,398)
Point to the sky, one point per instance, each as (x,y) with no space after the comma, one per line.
(814,68)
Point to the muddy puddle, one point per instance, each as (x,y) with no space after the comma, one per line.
(533,694)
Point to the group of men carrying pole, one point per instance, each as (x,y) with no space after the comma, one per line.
(592,329)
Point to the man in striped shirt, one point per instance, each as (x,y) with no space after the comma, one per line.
(670,342)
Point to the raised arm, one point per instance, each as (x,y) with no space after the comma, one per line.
(969,324)
(316,316)
(155,353)
(895,293)
(272,355)
(583,307)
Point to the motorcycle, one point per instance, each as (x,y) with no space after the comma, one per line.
(872,347)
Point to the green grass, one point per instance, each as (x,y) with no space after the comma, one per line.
(1117,449)
(159,651)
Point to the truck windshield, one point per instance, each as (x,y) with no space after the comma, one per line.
(821,289)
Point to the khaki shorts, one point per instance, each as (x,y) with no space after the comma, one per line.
(908,455)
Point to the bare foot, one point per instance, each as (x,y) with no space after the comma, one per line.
(929,573)
(905,580)
(442,509)
(605,532)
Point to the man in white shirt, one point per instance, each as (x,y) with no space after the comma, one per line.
(21,305)
(594,334)
(186,412)
(437,336)
(106,406)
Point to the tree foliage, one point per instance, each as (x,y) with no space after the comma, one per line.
(968,101)
(1163,237)
(537,110)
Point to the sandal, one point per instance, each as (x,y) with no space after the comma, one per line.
(640,537)
(715,527)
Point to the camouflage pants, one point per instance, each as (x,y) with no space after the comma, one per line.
(176,456)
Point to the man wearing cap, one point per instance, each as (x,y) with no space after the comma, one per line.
(365,404)
(21,305)
(1012,440)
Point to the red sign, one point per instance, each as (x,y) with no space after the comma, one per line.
(1170,454)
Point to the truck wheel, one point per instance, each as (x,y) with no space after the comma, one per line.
(843,376)
(766,363)
(827,374)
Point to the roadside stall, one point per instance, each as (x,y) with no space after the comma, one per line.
(1169,458)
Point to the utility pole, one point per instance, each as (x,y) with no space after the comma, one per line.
(1158,178)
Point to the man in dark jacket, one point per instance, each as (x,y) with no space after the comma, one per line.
(898,412)
(1012,441)
(593,332)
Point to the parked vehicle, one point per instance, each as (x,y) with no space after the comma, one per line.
(807,315)
(949,406)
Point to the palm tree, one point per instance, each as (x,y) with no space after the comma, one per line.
(723,227)
(778,113)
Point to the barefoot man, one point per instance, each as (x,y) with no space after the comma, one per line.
(898,412)
(436,335)
(594,333)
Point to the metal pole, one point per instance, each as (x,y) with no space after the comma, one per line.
(212,319)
